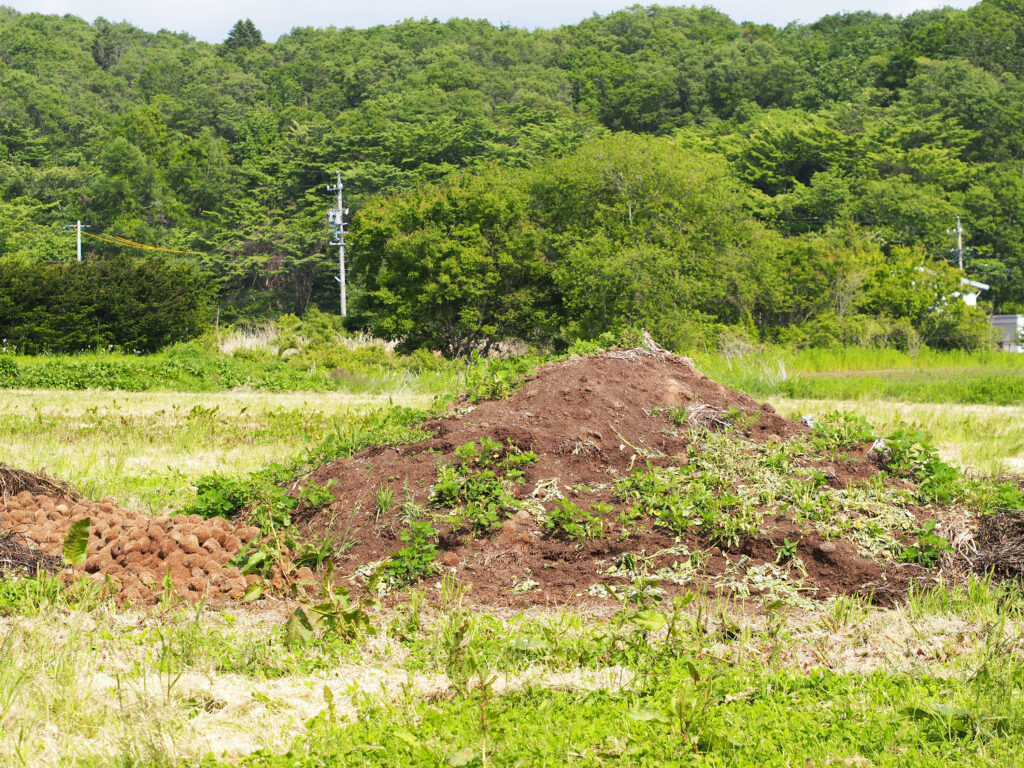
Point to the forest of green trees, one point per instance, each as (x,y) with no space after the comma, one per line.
(659,166)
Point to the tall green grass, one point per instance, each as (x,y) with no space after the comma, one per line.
(986,377)
(935,386)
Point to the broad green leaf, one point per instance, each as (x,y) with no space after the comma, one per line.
(76,543)
(530,644)
(254,561)
(407,737)
(646,716)
(684,600)
(919,713)
(650,620)
(464,756)
(685,699)
(297,630)
(254,592)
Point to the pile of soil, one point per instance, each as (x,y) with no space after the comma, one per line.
(133,549)
(589,420)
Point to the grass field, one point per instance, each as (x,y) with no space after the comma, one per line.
(980,378)
(146,449)
(935,682)
(986,439)
(433,682)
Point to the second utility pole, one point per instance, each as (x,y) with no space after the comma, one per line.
(78,227)
(959,232)
(336,218)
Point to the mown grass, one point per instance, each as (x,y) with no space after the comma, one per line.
(147,449)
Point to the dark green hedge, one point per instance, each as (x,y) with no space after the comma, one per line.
(138,305)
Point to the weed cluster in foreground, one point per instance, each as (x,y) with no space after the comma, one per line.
(687,681)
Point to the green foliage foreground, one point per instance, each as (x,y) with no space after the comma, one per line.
(696,714)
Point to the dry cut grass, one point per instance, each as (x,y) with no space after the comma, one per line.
(102,686)
(985,438)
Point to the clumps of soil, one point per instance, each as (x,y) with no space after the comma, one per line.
(592,421)
(131,549)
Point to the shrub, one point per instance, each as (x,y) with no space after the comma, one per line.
(135,304)
(8,371)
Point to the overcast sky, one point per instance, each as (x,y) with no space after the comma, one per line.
(210,20)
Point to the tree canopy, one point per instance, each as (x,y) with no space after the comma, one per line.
(657,165)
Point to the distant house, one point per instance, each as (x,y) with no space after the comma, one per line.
(971,297)
(1011,327)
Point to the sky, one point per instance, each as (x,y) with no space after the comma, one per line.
(210,20)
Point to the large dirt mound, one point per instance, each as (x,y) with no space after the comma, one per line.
(604,428)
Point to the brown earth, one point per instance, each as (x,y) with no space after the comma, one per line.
(135,550)
(589,420)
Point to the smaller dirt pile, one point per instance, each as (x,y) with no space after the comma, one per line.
(132,549)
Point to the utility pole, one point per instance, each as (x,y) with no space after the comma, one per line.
(959,232)
(336,218)
(78,227)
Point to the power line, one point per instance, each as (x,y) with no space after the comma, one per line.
(124,242)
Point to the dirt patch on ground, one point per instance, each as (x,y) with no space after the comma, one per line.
(573,441)
(591,422)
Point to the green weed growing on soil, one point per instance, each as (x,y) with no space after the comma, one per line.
(412,562)
(269,502)
(331,615)
(478,489)
(929,548)
(573,522)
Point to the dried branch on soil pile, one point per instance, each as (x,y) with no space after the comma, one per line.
(14,481)
(1000,543)
(706,416)
(16,558)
